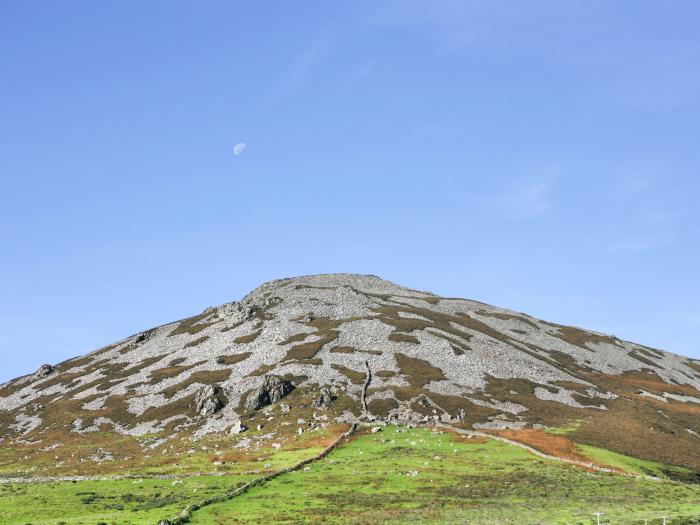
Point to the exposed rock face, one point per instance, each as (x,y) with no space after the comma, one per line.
(271,391)
(407,355)
(43,371)
(324,399)
(208,400)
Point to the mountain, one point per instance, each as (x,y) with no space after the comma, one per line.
(334,349)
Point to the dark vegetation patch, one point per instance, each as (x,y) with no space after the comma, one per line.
(156,376)
(446,326)
(343,350)
(457,350)
(177,361)
(196,342)
(694,364)
(232,359)
(204,377)
(326,331)
(418,372)
(354,376)
(403,338)
(384,373)
(181,407)
(232,327)
(264,369)
(192,325)
(576,336)
(245,339)
(79,361)
(295,338)
(381,407)
(633,426)
(516,331)
(507,317)
(641,358)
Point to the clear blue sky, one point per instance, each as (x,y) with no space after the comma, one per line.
(541,156)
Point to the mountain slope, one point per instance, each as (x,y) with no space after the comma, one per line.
(343,347)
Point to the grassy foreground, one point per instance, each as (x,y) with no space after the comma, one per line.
(397,475)
(417,476)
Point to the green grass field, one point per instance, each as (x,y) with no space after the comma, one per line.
(417,476)
(395,476)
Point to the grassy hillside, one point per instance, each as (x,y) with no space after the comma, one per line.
(398,475)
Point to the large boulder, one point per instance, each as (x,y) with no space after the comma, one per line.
(209,400)
(323,399)
(237,428)
(272,389)
(43,371)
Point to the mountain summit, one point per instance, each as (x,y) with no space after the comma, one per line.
(356,347)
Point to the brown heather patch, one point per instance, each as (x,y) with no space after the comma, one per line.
(579,337)
(553,445)
(694,364)
(78,362)
(384,373)
(354,376)
(156,376)
(417,371)
(177,361)
(233,326)
(192,325)
(641,358)
(181,407)
(508,317)
(646,380)
(204,377)
(232,359)
(516,331)
(264,369)
(9,389)
(326,332)
(196,342)
(634,426)
(403,338)
(295,338)
(245,339)
(403,326)
(61,378)
(431,300)
(381,407)
(343,350)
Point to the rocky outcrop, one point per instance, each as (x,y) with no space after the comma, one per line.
(209,400)
(270,391)
(324,399)
(43,371)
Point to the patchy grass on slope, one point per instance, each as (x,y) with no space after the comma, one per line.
(417,476)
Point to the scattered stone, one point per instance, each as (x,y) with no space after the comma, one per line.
(237,428)
(271,391)
(376,429)
(259,427)
(300,431)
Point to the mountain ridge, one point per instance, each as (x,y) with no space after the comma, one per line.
(368,349)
